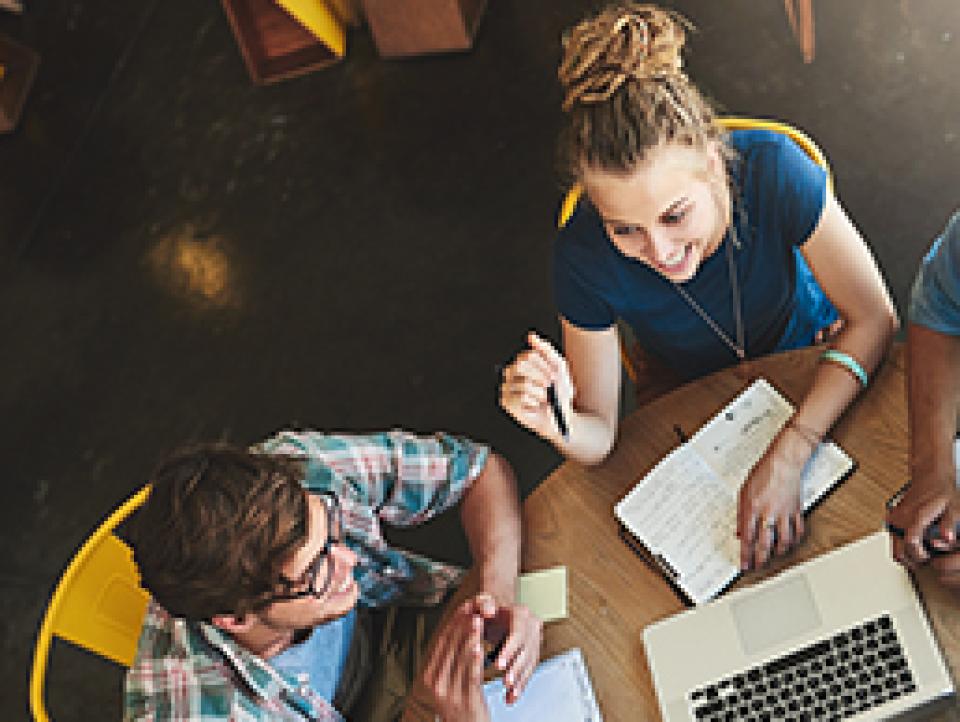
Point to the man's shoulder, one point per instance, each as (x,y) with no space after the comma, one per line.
(935,297)
(174,675)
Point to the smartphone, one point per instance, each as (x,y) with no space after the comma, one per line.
(494,636)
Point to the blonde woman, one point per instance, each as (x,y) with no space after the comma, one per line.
(713,247)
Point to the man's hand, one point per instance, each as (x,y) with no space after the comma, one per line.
(948,570)
(769,517)
(453,674)
(927,500)
(516,633)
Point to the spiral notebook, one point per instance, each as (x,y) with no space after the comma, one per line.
(559,691)
(682,515)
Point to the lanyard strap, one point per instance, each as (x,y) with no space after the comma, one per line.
(739,347)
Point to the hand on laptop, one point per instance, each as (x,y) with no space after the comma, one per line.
(927,501)
(769,516)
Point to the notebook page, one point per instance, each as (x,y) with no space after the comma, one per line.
(685,509)
(558,691)
(733,441)
(681,512)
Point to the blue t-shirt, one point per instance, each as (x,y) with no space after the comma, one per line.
(935,299)
(318,661)
(780,197)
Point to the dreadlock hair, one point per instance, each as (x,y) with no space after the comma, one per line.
(625,90)
(219,524)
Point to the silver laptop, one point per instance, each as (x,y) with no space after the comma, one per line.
(840,637)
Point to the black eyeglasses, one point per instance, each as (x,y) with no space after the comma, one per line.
(321,568)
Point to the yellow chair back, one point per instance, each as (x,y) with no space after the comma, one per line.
(98,603)
(570,200)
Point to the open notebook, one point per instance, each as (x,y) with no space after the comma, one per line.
(683,514)
(559,691)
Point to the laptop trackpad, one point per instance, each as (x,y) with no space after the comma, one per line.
(769,616)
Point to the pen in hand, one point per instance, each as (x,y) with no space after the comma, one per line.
(557,411)
(931,533)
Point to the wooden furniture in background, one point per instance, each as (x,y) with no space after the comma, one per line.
(415,27)
(18,66)
(613,594)
(284,40)
(800,15)
(348,11)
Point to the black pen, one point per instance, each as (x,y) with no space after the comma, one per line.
(557,411)
(932,532)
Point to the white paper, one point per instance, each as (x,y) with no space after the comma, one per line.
(559,691)
(685,509)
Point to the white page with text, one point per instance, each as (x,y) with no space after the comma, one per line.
(684,511)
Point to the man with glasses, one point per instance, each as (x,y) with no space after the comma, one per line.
(276,597)
(926,519)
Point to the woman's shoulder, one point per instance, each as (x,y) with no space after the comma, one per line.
(762,147)
(582,232)
(771,164)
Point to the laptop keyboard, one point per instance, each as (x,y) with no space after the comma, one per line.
(833,679)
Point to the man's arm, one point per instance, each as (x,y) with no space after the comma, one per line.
(490,513)
(933,385)
(449,685)
(933,392)
(491,520)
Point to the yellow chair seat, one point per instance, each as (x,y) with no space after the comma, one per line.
(98,603)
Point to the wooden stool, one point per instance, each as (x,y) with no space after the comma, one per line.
(415,27)
(281,39)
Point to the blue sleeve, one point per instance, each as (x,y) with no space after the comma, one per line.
(577,300)
(935,298)
(802,188)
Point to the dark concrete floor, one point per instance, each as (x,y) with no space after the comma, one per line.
(373,239)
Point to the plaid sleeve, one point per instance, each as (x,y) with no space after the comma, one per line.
(406,479)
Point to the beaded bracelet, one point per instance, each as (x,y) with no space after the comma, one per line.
(848,362)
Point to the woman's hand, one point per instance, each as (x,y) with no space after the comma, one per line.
(769,515)
(523,390)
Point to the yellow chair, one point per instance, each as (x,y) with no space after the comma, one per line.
(98,603)
(572,197)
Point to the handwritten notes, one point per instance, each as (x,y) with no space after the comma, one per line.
(684,511)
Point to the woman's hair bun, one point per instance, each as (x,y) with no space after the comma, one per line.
(624,42)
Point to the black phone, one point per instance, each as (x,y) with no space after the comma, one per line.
(494,636)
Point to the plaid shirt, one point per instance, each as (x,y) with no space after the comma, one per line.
(195,672)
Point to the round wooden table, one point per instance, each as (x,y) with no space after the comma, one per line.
(613,594)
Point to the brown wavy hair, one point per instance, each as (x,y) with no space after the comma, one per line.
(624,89)
(218,526)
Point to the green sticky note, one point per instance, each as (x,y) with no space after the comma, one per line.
(544,593)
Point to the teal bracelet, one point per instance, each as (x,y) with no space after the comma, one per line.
(848,362)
